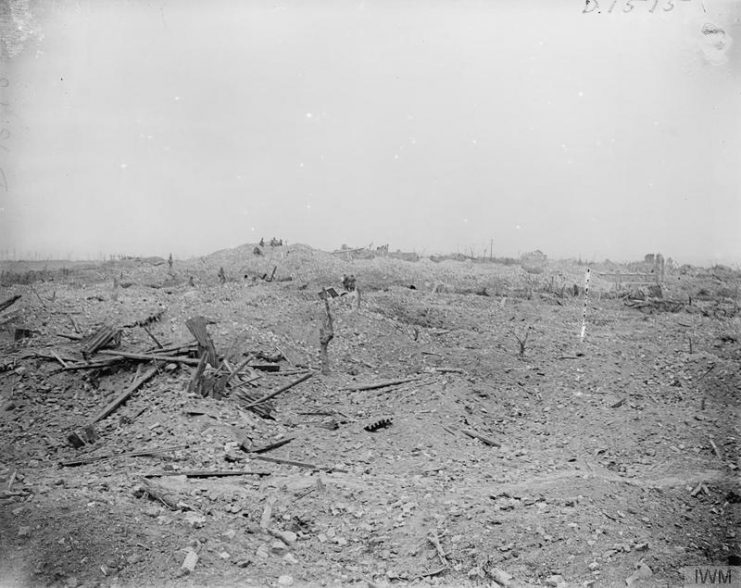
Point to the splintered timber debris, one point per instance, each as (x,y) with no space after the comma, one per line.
(376,425)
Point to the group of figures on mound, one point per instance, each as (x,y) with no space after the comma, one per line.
(273,242)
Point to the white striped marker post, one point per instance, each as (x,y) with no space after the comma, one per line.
(587,275)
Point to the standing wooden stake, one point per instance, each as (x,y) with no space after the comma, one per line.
(584,310)
(326,334)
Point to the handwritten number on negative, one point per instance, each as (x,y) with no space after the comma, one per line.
(593,5)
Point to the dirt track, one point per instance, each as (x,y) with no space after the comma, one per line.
(617,451)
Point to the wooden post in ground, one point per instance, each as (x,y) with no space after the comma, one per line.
(326,334)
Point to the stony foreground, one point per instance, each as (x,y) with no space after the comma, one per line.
(569,464)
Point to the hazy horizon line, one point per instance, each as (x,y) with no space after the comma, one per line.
(467,252)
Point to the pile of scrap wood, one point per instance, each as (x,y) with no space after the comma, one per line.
(213,375)
(99,350)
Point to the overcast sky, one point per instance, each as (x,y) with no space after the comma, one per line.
(186,126)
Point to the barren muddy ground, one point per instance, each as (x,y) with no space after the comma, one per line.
(552,462)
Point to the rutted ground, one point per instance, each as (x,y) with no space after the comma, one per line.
(605,445)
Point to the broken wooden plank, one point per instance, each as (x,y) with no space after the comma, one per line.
(150,357)
(59,359)
(432,573)
(299,464)
(152,337)
(482,438)
(448,370)
(74,337)
(124,396)
(9,302)
(208,474)
(91,365)
(474,435)
(271,446)
(265,367)
(715,449)
(280,390)
(52,355)
(177,349)
(103,337)
(233,373)
(142,453)
(384,384)
(250,381)
(75,326)
(697,490)
(194,386)
(262,410)
(197,326)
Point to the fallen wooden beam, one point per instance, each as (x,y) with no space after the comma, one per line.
(208,474)
(280,390)
(271,446)
(175,349)
(94,458)
(474,435)
(150,357)
(299,464)
(432,573)
(448,370)
(92,365)
(265,367)
(384,384)
(482,438)
(341,251)
(9,302)
(124,396)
